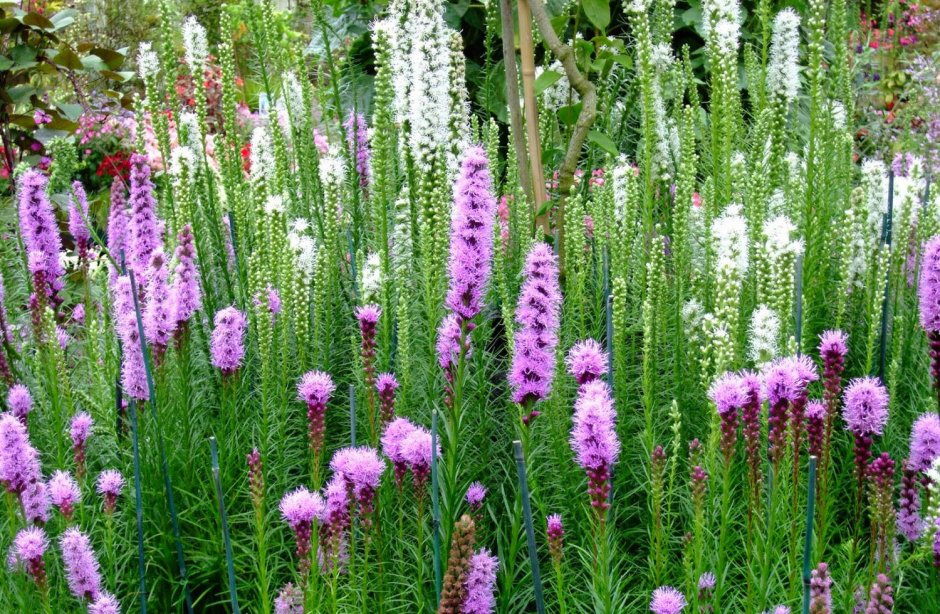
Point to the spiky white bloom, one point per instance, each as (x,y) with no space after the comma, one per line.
(332,169)
(401,241)
(261,157)
(183,159)
(619,179)
(189,125)
(729,232)
(795,166)
(907,195)
(693,312)
(721,24)
(558,94)
(195,45)
(371,278)
(303,245)
(148,64)
(637,6)
(875,184)
(779,233)
(274,204)
(837,112)
(662,57)
(763,333)
(783,70)
(667,136)
(292,98)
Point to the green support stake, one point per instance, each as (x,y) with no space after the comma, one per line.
(799,303)
(352,415)
(436,510)
(808,544)
(167,481)
(139,508)
(226,538)
(886,238)
(529,529)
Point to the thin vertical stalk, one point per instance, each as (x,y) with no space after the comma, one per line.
(167,481)
(529,529)
(436,511)
(139,508)
(798,290)
(808,544)
(886,239)
(352,414)
(229,561)
(527,53)
(512,97)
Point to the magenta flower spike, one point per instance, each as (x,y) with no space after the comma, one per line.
(925,441)
(392,438)
(19,461)
(820,600)
(928,293)
(865,411)
(480,584)
(36,503)
(186,291)
(78,213)
(315,389)
(20,402)
(79,430)
(64,493)
(106,603)
(118,220)
(476,493)
(144,229)
(471,236)
(594,440)
(109,486)
(133,373)
(40,232)
(299,508)
(667,600)
(729,394)
(586,361)
(815,427)
(751,429)
(537,313)
(555,532)
(81,565)
(228,340)
(782,384)
(910,523)
(416,450)
(357,136)
(368,317)
(29,548)
(362,469)
(386,385)
(289,600)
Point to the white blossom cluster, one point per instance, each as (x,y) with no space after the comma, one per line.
(907,197)
(783,70)
(189,125)
(303,245)
(370,279)
(763,335)
(292,97)
(729,232)
(183,160)
(721,24)
(195,45)
(401,241)
(875,184)
(261,157)
(619,178)
(148,65)
(559,93)
(779,238)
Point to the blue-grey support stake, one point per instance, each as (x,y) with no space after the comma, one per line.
(214,448)
(139,508)
(808,544)
(888,221)
(529,530)
(436,510)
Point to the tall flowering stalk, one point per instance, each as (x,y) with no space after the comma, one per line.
(386,385)
(729,394)
(145,231)
(20,402)
(820,601)
(64,494)
(368,318)
(78,228)
(315,389)
(40,233)
(928,293)
(186,291)
(228,340)
(865,411)
(538,311)
(751,429)
(833,348)
(454,590)
(81,565)
(469,268)
(357,138)
(881,508)
(27,553)
(299,509)
(910,523)
(480,584)
(79,430)
(555,533)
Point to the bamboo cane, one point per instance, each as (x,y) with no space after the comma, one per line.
(527,52)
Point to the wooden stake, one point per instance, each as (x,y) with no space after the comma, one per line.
(512,97)
(527,51)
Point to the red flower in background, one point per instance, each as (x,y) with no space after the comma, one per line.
(246,157)
(115,165)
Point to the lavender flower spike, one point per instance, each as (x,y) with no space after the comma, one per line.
(78,213)
(667,600)
(185,293)
(594,439)
(586,361)
(40,233)
(925,441)
(106,603)
(81,565)
(533,360)
(471,235)
(480,583)
(20,401)
(228,340)
(145,230)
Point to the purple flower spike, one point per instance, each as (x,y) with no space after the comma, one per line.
(144,236)
(820,590)
(64,493)
(471,235)
(79,430)
(315,389)
(110,484)
(866,406)
(299,508)
(928,292)
(416,451)
(362,470)
(357,136)
(78,213)
(555,532)
(910,523)
(729,394)
(925,441)
(228,340)
(19,460)
(81,565)
(106,603)
(586,361)
(185,293)
(41,238)
(386,385)
(118,220)
(594,440)
(289,600)
(20,402)
(476,493)
(392,438)
(667,600)
(815,427)
(480,584)
(29,547)
(133,374)
(533,360)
